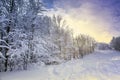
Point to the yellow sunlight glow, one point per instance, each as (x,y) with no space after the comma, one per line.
(89,28)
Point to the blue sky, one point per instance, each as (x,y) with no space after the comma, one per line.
(49,3)
(97,18)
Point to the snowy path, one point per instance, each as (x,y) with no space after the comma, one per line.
(101,65)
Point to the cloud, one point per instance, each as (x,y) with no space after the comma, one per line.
(96,18)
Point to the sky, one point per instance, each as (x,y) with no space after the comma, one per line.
(98,18)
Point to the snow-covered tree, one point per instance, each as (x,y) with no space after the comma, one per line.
(15,15)
(26,36)
(84,45)
(115,43)
(61,36)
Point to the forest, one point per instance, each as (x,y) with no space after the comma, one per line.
(29,36)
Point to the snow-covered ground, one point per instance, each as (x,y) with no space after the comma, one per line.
(101,65)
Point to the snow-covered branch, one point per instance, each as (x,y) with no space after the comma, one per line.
(5,43)
(1,55)
(4,47)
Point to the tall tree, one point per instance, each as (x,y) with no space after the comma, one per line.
(15,15)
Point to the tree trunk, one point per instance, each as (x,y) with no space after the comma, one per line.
(6,63)
(8,28)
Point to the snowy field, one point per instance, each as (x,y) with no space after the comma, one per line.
(101,65)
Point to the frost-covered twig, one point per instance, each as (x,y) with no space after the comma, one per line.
(1,55)
(4,42)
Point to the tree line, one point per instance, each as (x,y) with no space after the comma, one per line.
(27,36)
(115,43)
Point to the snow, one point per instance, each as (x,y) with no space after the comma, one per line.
(101,65)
